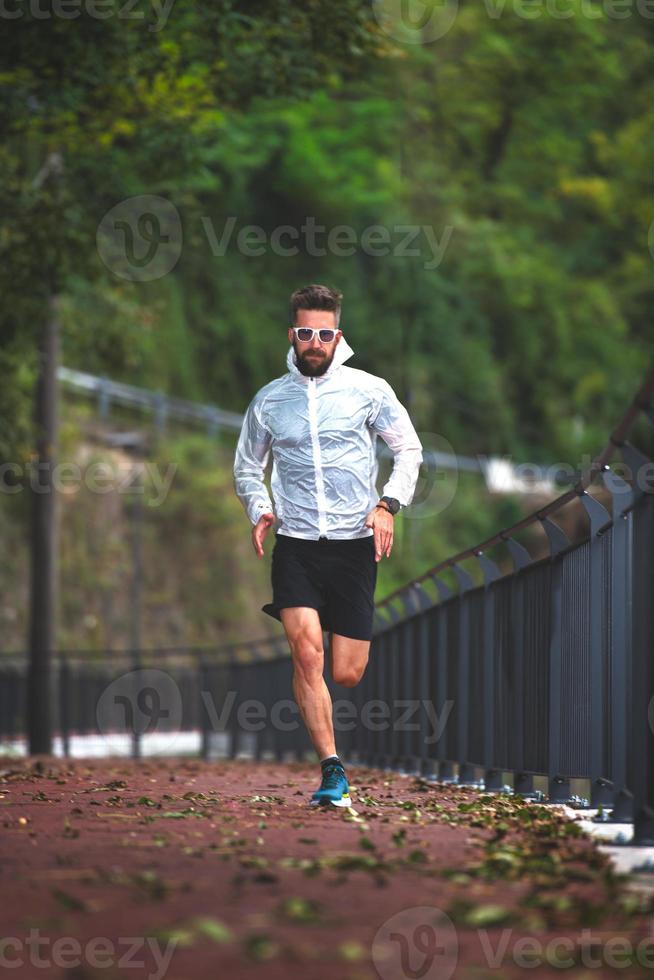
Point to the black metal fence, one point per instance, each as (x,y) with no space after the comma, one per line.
(546,670)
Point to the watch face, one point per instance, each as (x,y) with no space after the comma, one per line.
(393,504)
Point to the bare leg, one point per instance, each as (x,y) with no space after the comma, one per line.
(349,658)
(304,634)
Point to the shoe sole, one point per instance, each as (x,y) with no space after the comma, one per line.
(343,802)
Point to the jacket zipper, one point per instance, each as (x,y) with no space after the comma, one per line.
(317,459)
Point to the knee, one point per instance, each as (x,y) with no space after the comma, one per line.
(308,657)
(348,676)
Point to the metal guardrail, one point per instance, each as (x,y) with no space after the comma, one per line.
(160,405)
(163,407)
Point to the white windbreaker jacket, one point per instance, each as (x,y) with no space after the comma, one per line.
(322,432)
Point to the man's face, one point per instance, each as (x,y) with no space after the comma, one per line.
(313,358)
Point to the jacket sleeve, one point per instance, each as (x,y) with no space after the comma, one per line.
(251,459)
(391,421)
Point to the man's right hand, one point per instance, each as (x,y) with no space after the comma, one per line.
(259,532)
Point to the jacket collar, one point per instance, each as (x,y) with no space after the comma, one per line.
(342,353)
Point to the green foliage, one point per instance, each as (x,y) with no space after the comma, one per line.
(523,144)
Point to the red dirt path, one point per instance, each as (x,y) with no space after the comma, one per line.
(224,865)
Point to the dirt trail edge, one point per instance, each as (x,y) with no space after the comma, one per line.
(180,868)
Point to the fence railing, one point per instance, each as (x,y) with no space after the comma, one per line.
(162,408)
(545,671)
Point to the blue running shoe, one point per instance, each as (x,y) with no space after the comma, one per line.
(334,787)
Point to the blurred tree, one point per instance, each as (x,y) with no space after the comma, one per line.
(112,105)
(519,149)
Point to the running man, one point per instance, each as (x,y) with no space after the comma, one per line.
(321,421)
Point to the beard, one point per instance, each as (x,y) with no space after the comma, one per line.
(315,365)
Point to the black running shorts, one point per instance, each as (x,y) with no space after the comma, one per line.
(336,577)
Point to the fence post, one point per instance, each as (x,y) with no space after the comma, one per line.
(467,773)
(620,652)
(103,398)
(160,411)
(394,686)
(492,774)
(375,741)
(213,426)
(363,735)
(446,772)
(408,682)
(385,734)
(422,676)
(558,785)
(641,564)
(601,791)
(523,782)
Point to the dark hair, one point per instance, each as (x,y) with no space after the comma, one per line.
(316,297)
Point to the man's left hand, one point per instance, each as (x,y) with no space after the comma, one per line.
(381,521)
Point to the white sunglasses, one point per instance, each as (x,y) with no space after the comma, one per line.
(305,334)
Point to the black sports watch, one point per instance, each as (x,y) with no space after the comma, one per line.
(392,504)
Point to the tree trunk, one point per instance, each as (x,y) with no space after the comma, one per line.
(43,586)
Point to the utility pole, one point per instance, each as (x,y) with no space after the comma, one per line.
(43,591)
